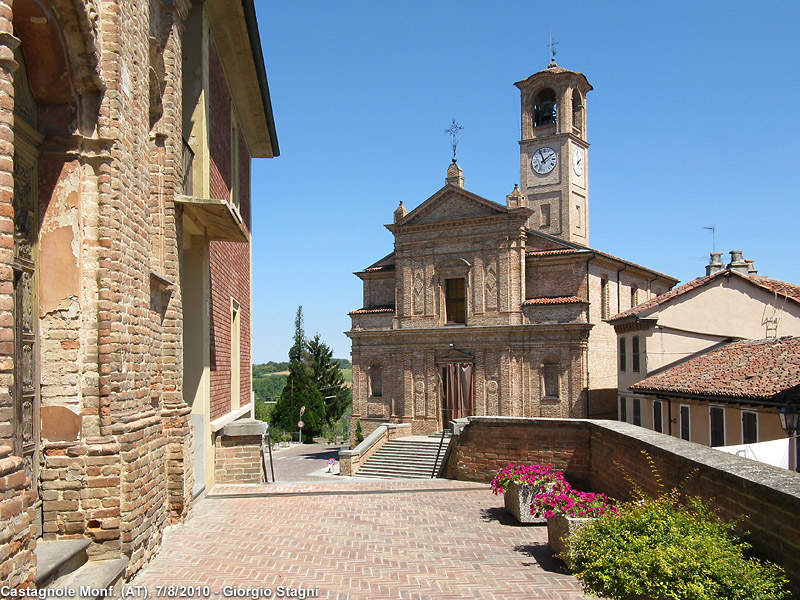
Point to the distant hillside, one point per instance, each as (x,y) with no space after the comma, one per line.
(270,378)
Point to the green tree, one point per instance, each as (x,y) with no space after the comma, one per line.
(327,376)
(300,390)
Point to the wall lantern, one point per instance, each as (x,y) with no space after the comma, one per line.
(790,418)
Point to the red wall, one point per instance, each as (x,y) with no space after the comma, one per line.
(229,261)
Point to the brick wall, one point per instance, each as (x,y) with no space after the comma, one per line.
(598,454)
(219,127)
(229,264)
(238,459)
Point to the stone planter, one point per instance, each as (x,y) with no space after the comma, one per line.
(518,500)
(559,531)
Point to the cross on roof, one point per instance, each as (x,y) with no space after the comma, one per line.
(453,131)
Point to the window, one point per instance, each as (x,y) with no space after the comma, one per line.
(236,354)
(455,300)
(685,433)
(623,409)
(635,351)
(623,357)
(717,415)
(634,295)
(637,411)
(604,307)
(551,378)
(375,381)
(749,427)
(545,109)
(658,416)
(577,106)
(544,218)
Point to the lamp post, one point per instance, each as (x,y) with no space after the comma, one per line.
(790,420)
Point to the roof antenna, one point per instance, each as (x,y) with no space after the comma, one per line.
(453,131)
(552,45)
(713,237)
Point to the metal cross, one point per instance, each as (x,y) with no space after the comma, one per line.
(552,45)
(453,131)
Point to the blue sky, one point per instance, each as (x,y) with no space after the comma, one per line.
(692,122)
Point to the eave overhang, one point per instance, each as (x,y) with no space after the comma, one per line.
(235,32)
(218,219)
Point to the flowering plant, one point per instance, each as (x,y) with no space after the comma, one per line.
(538,475)
(571,503)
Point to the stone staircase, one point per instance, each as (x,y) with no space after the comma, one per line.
(411,457)
(64,564)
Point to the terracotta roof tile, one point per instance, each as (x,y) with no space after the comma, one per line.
(745,369)
(551,252)
(371,311)
(781,288)
(379,268)
(552,300)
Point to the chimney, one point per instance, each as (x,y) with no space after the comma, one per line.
(738,263)
(715,264)
(751,267)
(454,175)
(515,199)
(400,212)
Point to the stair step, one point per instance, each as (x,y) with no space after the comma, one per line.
(57,558)
(97,579)
(412,457)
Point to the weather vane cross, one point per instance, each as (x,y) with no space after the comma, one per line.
(552,46)
(453,131)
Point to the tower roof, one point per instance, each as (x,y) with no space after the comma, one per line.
(557,72)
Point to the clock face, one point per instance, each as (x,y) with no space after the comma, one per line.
(544,160)
(577,162)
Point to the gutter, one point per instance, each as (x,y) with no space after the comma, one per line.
(258,60)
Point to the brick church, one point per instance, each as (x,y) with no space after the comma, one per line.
(487,308)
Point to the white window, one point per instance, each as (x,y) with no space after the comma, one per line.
(658,416)
(623,409)
(637,411)
(717,424)
(749,427)
(685,422)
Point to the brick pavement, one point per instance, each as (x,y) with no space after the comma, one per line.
(357,539)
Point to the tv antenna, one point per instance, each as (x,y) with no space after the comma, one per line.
(713,237)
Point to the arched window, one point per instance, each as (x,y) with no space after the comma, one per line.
(550,377)
(545,108)
(577,110)
(375,381)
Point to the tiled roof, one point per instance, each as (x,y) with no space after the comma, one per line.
(782,288)
(551,252)
(745,369)
(772,285)
(371,311)
(552,300)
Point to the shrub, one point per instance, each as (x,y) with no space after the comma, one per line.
(359,433)
(668,549)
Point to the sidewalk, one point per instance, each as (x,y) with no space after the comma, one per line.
(355,539)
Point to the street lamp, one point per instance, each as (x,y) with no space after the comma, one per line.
(790,418)
(789,415)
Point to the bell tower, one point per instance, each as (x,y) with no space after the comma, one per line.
(554,153)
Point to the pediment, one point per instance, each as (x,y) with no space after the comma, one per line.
(452,203)
(454,355)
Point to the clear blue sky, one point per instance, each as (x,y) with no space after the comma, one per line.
(693,122)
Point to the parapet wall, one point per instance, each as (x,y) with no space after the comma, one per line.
(605,455)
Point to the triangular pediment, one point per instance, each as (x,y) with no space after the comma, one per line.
(451,203)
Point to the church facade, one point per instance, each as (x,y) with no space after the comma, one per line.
(499,309)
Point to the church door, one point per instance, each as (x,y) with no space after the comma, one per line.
(457,391)
(26,285)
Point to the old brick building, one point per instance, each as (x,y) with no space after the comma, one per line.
(126,132)
(499,309)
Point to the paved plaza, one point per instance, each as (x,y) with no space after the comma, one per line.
(352,539)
